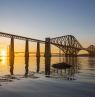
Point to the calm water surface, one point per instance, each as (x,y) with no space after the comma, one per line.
(82,67)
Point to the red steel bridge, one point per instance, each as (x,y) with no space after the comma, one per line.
(68,44)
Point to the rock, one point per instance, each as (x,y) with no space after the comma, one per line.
(61,65)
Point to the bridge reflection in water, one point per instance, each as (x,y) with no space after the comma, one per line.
(49,71)
(65,72)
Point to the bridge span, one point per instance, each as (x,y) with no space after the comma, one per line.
(68,44)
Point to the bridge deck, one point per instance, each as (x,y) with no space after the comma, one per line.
(19,37)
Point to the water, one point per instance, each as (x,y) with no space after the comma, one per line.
(82,67)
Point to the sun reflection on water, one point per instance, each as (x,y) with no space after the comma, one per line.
(3,60)
(4,67)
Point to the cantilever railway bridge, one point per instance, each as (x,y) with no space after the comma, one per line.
(68,44)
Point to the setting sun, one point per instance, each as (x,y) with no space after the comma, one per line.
(3,52)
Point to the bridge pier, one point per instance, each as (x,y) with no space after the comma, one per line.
(47,48)
(12,47)
(26,66)
(47,66)
(38,64)
(12,66)
(11,50)
(27,49)
(11,55)
(38,49)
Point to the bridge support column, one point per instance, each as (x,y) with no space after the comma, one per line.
(38,64)
(38,49)
(47,66)
(26,66)
(11,55)
(27,49)
(47,48)
(11,50)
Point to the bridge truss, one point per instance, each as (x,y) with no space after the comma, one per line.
(68,44)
